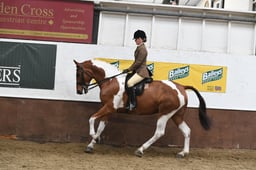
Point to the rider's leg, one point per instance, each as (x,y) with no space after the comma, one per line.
(134,80)
(131,91)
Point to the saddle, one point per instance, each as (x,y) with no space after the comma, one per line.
(135,91)
(139,87)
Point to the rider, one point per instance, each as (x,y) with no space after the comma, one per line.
(138,67)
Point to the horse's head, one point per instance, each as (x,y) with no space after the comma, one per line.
(83,78)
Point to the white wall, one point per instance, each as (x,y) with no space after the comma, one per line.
(177,32)
(170,39)
(238,5)
(240,92)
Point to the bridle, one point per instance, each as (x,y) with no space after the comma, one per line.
(83,84)
(86,87)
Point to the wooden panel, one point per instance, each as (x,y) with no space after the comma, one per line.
(64,121)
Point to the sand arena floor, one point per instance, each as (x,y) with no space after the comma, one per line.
(27,155)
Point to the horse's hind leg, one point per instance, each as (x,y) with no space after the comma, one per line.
(96,136)
(186,133)
(160,131)
(178,119)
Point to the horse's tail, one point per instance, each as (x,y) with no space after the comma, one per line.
(204,120)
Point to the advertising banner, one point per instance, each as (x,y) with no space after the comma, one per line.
(24,65)
(66,21)
(205,78)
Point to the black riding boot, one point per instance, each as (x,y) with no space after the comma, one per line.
(131,104)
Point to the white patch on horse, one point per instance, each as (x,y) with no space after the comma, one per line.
(110,70)
(173,86)
(186,133)
(91,124)
(118,98)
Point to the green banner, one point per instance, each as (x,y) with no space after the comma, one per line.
(26,65)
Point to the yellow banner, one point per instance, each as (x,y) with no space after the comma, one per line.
(43,34)
(205,78)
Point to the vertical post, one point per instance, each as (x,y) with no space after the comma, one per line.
(179,32)
(203,34)
(99,29)
(125,29)
(152,29)
(254,41)
(229,36)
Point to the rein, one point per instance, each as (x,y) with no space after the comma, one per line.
(97,83)
(102,81)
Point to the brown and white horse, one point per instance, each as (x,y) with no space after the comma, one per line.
(165,98)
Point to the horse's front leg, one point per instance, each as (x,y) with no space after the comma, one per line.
(91,126)
(96,136)
(102,113)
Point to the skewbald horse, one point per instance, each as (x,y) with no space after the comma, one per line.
(165,98)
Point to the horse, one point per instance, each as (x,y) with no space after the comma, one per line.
(165,98)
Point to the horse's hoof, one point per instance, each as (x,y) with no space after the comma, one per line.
(181,155)
(138,153)
(88,150)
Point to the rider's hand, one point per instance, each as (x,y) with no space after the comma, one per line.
(125,71)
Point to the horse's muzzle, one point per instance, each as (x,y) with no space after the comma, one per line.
(79,91)
(83,89)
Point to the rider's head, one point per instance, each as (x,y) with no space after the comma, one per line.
(140,34)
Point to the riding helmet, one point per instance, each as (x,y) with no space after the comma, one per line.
(140,34)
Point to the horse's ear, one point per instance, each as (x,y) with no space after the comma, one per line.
(75,62)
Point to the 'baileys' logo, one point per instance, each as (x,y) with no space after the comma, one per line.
(179,73)
(212,75)
(10,76)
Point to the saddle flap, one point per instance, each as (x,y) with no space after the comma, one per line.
(139,87)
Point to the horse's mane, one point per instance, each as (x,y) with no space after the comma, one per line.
(109,69)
